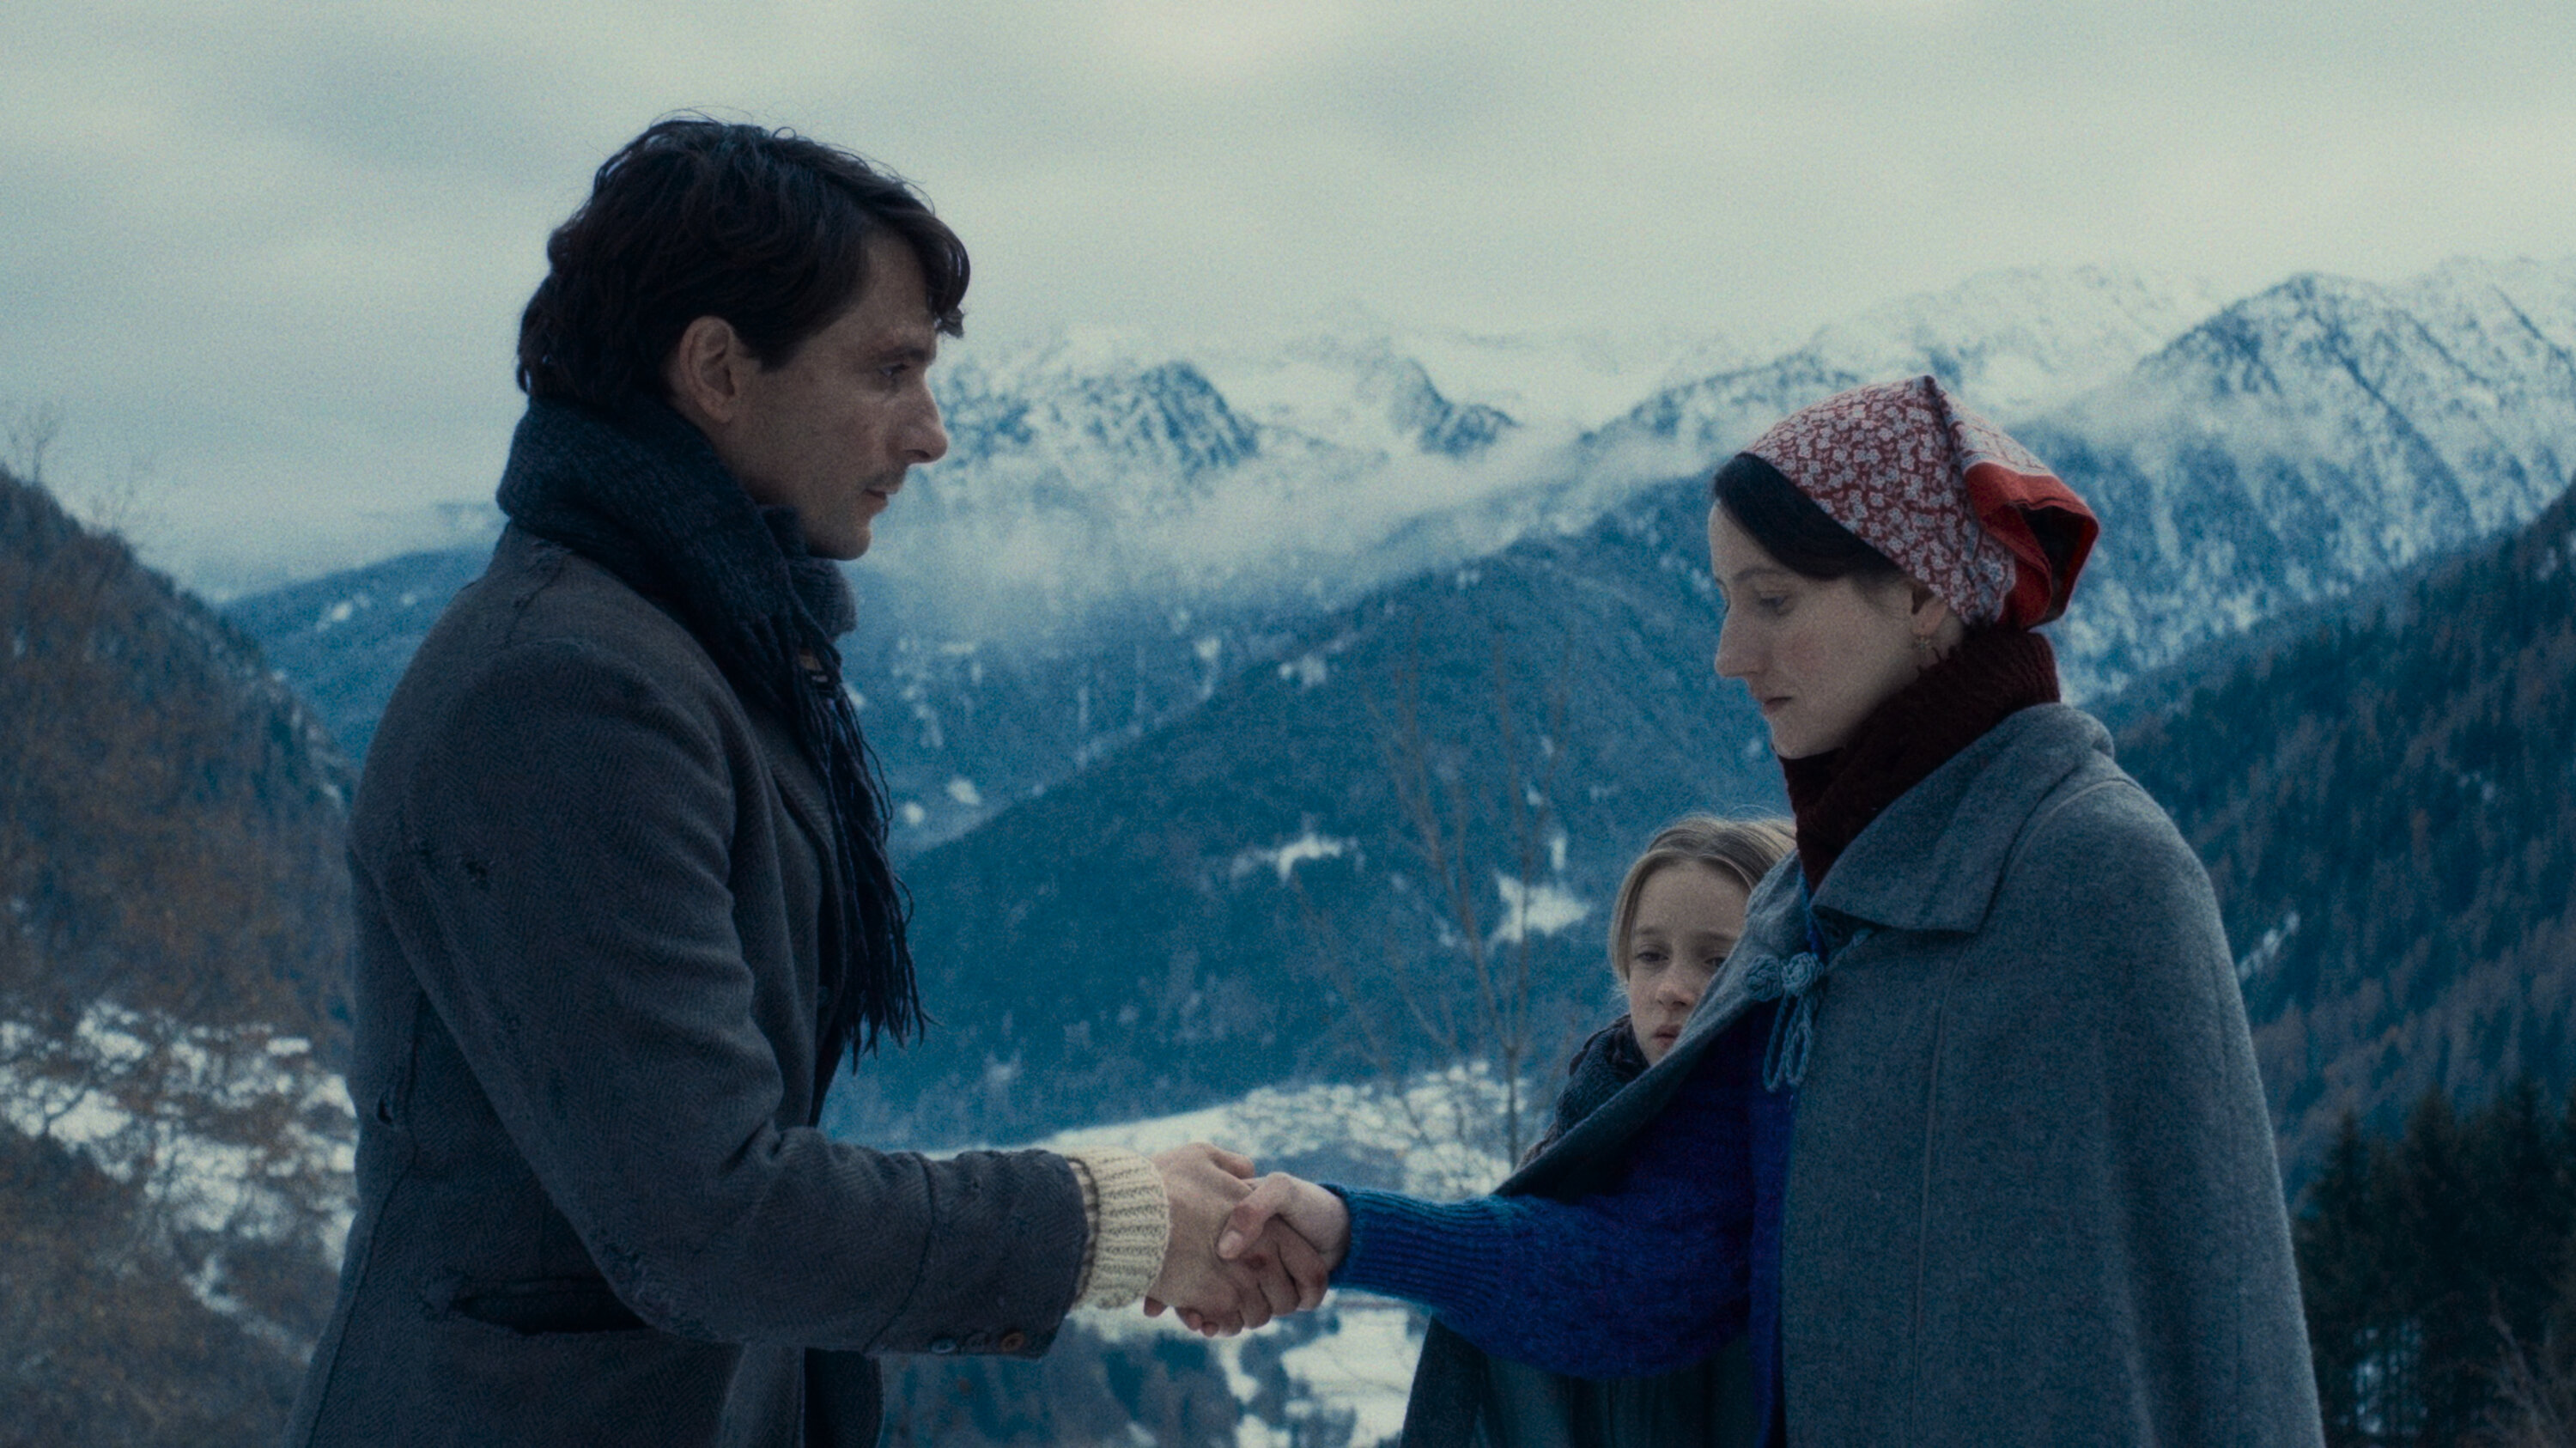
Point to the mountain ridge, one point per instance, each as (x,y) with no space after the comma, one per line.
(2382,797)
(173,1139)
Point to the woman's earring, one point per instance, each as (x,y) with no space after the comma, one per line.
(1923,650)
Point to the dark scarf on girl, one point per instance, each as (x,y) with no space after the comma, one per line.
(642,494)
(1995,672)
(1607,1062)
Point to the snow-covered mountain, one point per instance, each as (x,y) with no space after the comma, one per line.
(2011,342)
(1088,472)
(2017,341)
(1090,467)
(2307,439)
(1121,526)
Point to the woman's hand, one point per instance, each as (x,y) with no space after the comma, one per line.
(1314,1214)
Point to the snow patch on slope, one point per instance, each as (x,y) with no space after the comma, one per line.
(232,1133)
(1535,907)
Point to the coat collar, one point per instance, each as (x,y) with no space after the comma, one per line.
(1911,870)
(1932,860)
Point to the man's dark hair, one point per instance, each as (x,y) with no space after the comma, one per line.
(1791,527)
(697,218)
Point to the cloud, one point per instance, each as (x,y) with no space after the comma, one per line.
(280,249)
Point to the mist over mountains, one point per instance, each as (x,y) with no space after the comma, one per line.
(1116,532)
(1138,655)
(1090,470)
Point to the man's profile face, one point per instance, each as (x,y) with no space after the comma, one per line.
(831,430)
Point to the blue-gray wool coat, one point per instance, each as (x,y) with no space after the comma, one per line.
(2033,1197)
(591,1206)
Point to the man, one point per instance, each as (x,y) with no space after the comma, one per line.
(623,897)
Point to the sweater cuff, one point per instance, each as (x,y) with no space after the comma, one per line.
(1130,1225)
(1431,1253)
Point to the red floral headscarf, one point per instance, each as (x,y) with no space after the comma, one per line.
(1958,505)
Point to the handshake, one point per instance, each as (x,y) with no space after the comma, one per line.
(1241,1251)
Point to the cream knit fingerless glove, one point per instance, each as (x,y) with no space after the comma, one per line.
(1131,1224)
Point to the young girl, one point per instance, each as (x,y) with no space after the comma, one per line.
(1677,914)
(1966,1141)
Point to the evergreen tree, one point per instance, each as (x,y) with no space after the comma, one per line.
(2342,1246)
(2446,1345)
(2519,1160)
(2439,1272)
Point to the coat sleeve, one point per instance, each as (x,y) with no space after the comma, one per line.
(1650,1273)
(562,878)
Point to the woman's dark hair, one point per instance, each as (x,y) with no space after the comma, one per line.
(698,218)
(1791,527)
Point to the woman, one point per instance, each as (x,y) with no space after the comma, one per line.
(1678,912)
(1966,1138)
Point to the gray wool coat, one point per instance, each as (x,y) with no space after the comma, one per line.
(591,1206)
(2032,1193)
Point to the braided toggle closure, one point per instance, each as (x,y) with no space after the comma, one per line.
(1792,982)
(1795,982)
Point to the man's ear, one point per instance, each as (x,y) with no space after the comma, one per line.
(706,371)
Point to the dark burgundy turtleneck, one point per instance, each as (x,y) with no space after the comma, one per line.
(1992,674)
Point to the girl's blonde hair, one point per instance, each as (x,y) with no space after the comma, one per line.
(1745,849)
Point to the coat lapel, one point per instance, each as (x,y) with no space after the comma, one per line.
(798,786)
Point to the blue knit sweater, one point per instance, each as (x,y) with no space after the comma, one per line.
(1678,1253)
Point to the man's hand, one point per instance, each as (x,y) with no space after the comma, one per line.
(1279,1273)
(1314,1215)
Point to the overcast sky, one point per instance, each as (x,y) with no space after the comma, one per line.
(272,254)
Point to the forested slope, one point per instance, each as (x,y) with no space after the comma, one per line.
(2387,805)
(172,1141)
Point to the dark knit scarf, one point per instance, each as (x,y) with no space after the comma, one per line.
(643,494)
(1605,1063)
(1994,673)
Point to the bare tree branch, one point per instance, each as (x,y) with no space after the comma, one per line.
(29,432)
